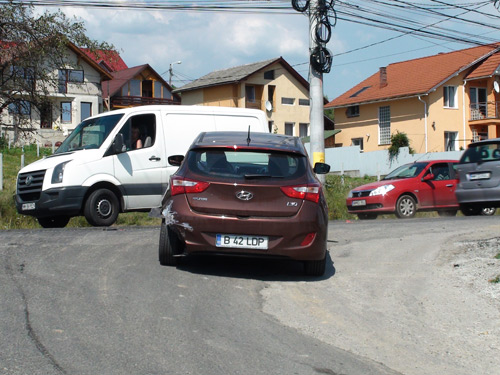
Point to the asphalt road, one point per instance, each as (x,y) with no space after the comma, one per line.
(94,301)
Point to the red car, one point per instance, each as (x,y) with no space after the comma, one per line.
(418,186)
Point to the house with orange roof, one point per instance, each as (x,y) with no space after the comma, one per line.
(442,102)
(273,86)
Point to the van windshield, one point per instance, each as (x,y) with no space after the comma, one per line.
(90,133)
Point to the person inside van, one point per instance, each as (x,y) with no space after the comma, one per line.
(136,138)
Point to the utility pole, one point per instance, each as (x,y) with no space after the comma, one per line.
(316,114)
(320,12)
(171,73)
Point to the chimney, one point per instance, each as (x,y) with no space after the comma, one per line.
(383,76)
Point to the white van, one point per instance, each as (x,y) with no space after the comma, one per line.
(98,172)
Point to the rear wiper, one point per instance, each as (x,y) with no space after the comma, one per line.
(255,176)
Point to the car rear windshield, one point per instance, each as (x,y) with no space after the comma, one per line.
(246,164)
(481,153)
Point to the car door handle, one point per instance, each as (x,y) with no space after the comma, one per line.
(154,158)
(449,185)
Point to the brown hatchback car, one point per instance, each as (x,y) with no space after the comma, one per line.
(244,194)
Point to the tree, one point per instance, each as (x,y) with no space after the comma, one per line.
(32,49)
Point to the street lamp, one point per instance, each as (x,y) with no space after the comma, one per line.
(170,71)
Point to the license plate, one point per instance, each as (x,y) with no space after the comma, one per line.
(361,202)
(242,241)
(28,206)
(480,176)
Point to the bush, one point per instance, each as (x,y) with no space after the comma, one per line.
(398,140)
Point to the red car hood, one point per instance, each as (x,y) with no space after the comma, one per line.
(374,185)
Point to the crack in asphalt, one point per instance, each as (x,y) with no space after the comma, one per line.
(29,328)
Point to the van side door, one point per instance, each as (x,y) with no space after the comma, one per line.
(139,168)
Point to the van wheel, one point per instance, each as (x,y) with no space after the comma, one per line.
(168,245)
(101,208)
(315,267)
(488,211)
(53,222)
(406,207)
(470,209)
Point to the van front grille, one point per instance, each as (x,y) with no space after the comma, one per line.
(29,185)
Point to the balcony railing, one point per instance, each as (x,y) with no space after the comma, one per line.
(484,110)
(131,101)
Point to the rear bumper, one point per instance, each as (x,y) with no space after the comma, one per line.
(487,196)
(66,201)
(198,231)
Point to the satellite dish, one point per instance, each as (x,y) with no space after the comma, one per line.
(496,86)
(269,105)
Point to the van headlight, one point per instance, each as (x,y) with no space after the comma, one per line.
(382,190)
(57,175)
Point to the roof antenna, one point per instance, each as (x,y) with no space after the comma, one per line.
(248,137)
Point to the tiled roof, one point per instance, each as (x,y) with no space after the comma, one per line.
(486,68)
(413,77)
(110,59)
(237,74)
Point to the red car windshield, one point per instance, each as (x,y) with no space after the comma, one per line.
(406,171)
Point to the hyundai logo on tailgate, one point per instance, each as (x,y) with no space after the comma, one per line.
(244,195)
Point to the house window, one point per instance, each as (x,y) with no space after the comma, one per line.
(304,102)
(352,111)
(450,141)
(357,142)
(384,125)
(250,94)
(157,89)
(478,103)
(359,91)
(287,101)
(135,87)
(450,96)
(46,115)
(289,128)
(269,74)
(21,107)
(125,90)
(66,112)
(69,75)
(303,130)
(25,74)
(85,110)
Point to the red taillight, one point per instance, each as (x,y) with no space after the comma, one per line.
(179,185)
(308,192)
(308,239)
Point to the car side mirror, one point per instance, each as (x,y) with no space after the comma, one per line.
(321,168)
(428,177)
(119,144)
(175,160)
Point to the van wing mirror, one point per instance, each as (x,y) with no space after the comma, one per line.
(175,160)
(321,168)
(119,144)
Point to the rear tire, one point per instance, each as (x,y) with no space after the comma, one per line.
(101,208)
(315,267)
(488,211)
(470,210)
(406,207)
(168,246)
(53,222)
(367,216)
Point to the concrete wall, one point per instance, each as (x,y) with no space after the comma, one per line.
(350,161)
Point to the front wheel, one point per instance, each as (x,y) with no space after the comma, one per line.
(53,222)
(101,208)
(406,207)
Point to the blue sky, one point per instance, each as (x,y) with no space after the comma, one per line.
(208,41)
